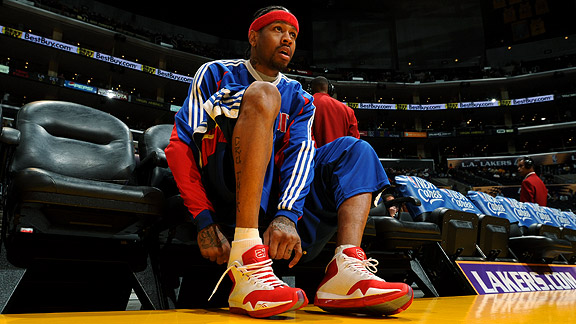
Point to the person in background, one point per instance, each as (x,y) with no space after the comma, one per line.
(532,188)
(392,210)
(333,119)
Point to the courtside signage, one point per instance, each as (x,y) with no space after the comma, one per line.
(505,277)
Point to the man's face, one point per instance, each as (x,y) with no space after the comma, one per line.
(522,170)
(273,47)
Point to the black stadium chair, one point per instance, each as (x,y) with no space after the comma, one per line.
(397,242)
(179,260)
(458,229)
(529,240)
(75,222)
(556,218)
(493,232)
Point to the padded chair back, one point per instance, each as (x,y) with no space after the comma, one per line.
(95,145)
(516,210)
(546,215)
(152,145)
(155,139)
(458,228)
(489,205)
(569,219)
(430,196)
(458,201)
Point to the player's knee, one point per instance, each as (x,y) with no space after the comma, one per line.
(349,141)
(261,98)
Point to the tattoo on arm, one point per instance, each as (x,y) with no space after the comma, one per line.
(283,224)
(209,239)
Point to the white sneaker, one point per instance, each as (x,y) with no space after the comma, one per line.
(256,291)
(351,286)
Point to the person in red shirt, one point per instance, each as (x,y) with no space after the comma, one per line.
(333,119)
(532,188)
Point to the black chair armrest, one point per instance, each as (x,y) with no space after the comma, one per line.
(402,200)
(10,136)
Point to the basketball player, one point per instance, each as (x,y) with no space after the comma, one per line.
(241,153)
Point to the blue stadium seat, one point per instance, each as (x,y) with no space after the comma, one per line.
(458,228)
(493,232)
(567,227)
(569,221)
(529,240)
(398,242)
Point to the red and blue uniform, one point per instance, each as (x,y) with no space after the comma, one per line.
(201,159)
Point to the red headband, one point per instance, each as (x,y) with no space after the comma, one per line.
(271,17)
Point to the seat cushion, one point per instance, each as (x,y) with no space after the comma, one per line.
(37,185)
(540,246)
(395,234)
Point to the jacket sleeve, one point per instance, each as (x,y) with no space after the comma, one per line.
(296,161)
(353,124)
(212,91)
(182,163)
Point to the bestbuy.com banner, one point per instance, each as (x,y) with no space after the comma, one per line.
(453,105)
(502,277)
(92,54)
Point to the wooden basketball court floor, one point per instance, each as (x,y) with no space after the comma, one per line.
(527,307)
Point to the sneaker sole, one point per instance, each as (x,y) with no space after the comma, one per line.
(269,312)
(391,307)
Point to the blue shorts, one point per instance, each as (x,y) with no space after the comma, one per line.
(343,168)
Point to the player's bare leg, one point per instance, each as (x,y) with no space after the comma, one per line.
(252,148)
(350,284)
(256,290)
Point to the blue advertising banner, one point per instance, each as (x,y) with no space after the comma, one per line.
(505,277)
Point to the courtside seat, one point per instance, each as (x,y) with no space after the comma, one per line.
(398,242)
(493,232)
(458,228)
(75,218)
(398,233)
(569,221)
(537,238)
(567,225)
(458,232)
(529,241)
(153,171)
(180,263)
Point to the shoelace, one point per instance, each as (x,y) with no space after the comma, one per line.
(366,267)
(261,272)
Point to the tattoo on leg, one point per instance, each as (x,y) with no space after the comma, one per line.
(238,190)
(237,150)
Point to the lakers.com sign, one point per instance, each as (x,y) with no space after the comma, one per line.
(506,277)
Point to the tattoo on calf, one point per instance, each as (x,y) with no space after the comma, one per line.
(237,150)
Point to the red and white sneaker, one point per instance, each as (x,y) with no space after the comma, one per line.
(350,286)
(256,291)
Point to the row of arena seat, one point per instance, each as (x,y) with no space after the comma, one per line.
(80,212)
(475,227)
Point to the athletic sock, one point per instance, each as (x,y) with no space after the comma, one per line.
(244,239)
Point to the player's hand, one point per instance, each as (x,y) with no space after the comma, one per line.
(283,239)
(213,244)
